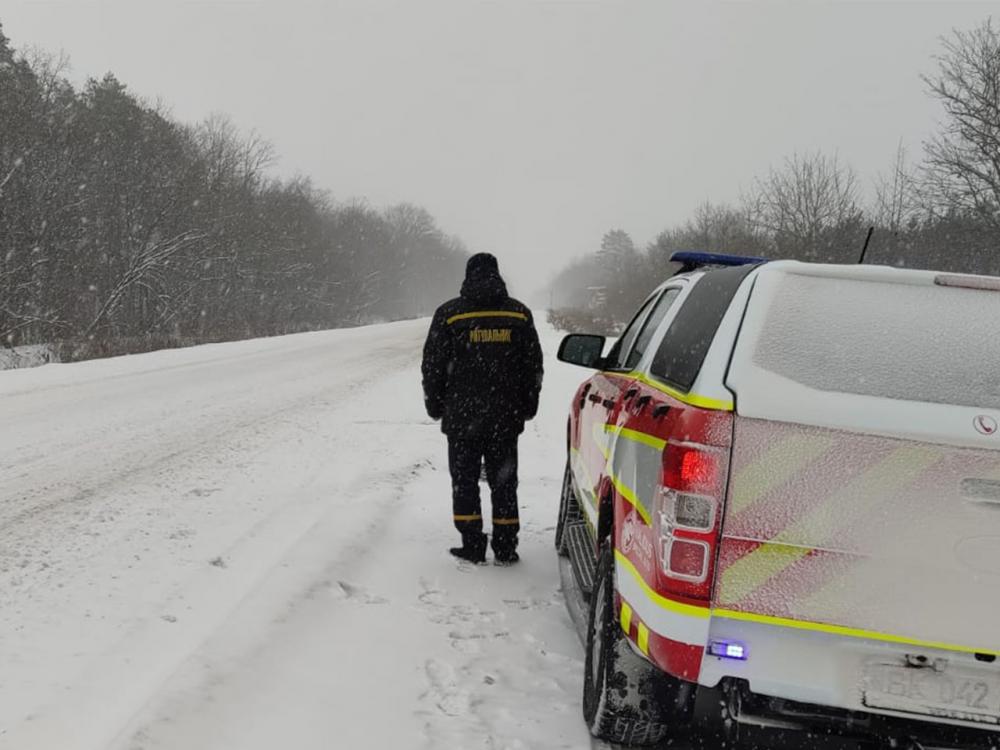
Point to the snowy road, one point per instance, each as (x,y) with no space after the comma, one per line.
(243,546)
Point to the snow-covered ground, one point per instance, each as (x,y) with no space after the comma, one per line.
(244,546)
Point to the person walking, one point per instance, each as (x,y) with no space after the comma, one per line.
(482,375)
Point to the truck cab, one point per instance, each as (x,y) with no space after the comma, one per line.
(783,488)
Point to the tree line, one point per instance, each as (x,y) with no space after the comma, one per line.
(123,229)
(941,212)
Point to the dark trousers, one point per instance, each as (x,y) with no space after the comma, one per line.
(466,454)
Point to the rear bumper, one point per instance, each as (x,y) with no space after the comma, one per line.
(761,720)
(814,680)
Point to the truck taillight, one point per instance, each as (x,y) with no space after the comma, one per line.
(689,507)
(686,559)
(698,469)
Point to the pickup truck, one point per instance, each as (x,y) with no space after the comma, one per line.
(782,491)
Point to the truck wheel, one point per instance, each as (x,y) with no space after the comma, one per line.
(566,503)
(732,706)
(625,699)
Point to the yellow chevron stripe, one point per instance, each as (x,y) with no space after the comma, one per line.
(629,496)
(794,542)
(486,314)
(678,608)
(600,436)
(691,399)
(626,619)
(832,591)
(642,637)
(752,571)
(897,469)
(780,463)
(639,437)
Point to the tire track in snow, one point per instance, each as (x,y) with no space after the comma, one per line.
(316,634)
(87,504)
(130,675)
(321,567)
(227,483)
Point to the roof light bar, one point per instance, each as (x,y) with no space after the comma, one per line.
(692,260)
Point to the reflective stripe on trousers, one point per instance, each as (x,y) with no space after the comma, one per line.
(466,457)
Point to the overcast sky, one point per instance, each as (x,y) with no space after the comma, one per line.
(527,128)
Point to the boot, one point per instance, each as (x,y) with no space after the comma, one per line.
(505,557)
(473,550)
(505,547)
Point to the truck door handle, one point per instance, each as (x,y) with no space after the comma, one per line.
(630,393)
(660,410)
(609,403)
(641,402)
(594,398)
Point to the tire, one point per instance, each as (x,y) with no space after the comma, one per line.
(732,705)
(626,700)
(567,505)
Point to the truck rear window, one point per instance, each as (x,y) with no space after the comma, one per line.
(685,344)
(914,342)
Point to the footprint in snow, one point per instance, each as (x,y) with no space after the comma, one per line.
(528,603)
(444,691)
(350,592)
(472,643)
(430,596)
(203,491)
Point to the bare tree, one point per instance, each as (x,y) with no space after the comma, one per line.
(896,203)
(144,267)
(809,209)
(962,171)
(50,70)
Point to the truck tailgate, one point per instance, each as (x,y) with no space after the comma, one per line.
(862,534)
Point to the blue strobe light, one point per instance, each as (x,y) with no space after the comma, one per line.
(691,260)
(728,650)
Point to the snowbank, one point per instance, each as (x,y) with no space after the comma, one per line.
(19,357)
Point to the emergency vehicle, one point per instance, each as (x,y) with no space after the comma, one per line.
(783,491)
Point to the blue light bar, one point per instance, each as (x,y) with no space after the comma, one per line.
(692,260)
(728,650)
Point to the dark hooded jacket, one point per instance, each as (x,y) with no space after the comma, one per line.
(482,367)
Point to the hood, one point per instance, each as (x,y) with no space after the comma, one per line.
(483,282)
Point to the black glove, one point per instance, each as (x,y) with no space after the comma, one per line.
(530,408)
(434,409)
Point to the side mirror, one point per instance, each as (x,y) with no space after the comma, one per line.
(582,349)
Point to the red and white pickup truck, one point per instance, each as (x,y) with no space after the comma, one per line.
(783,489)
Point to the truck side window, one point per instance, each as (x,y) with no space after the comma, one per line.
(686,343)
(649,328)
(616,357)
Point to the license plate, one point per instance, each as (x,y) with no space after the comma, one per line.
(947,693)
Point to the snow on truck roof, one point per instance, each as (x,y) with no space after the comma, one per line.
(884,274)
(846,311)
(698,263)
(900,352)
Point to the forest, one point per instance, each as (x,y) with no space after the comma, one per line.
(940,211)
(123,230)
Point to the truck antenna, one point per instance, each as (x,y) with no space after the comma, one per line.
(864,249)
